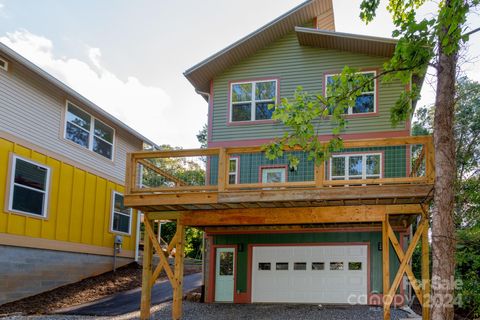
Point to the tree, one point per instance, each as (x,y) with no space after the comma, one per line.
(202,136)
(425,42)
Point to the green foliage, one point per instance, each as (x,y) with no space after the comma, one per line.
(467,269)
(193,239)
(202,136)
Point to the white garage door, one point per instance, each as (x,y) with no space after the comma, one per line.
(309,274)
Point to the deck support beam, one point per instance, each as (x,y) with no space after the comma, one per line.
(175,277)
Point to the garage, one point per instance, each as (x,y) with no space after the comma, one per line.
(310,273)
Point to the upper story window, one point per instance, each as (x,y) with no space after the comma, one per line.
(29,187)
(121,216)
(250,100)
(366,102)
(356,166)
(3,64)
(89,132)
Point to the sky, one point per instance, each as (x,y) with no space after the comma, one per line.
(129,56)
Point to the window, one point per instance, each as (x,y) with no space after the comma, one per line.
(336,265)
(356,166)
(273,175)
(281,266)
(299,266)
(264,266)
(365,102)
(355,266)
(226,264)
(29,187)
(232,171)
(3,64)
(250,100)
(121,216)
(318,265)
(88,132)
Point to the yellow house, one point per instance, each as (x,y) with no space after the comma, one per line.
(62,176)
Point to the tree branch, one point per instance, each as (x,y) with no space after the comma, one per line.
(471,32)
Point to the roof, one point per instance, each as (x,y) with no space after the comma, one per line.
(376,46)
(13,55)
(201,74)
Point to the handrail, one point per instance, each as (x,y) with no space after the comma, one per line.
(320,180)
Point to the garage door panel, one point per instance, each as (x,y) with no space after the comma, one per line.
(312,284)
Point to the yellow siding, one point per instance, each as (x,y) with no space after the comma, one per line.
(79,206)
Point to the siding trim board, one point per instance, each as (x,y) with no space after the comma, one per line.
(56,245)
(345,136)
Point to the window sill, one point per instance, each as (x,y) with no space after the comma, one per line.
(26,214)
(247,123)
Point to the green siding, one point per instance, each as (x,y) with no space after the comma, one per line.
(394,160)
(320,237)
(297,65)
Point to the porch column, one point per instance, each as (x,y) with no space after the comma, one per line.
(386,268)
(146,276)
(179,259)
(425,272)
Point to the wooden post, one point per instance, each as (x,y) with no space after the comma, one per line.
(319,174)
(425,273)
(222,169)
(386,268)
(146,275)
(179,257)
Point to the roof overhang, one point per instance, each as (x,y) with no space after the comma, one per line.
(374,46)
(201,74)
(16,57)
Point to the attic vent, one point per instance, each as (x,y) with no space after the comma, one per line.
(3,64)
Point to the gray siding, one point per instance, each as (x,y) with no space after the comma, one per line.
(32,109)
(296,65)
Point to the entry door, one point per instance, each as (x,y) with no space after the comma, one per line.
(224,271)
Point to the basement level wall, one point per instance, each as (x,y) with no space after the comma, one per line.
(297,238)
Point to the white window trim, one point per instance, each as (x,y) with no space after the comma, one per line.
(252,103)
(91,133)
(13,160)
(364,165)
(233,173)
(5,64)
(282,170)
(375,89)
(112,213)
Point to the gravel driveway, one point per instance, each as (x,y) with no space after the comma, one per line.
(199,311)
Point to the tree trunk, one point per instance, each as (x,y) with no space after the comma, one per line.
(443,229)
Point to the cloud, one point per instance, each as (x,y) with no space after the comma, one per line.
(147,109)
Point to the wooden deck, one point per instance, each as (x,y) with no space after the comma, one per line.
(320,192)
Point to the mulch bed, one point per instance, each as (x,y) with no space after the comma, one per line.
(90,289)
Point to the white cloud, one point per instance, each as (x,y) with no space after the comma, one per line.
(147,109)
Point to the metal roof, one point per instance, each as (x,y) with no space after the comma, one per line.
(13,55)
(375,46)
(201,74)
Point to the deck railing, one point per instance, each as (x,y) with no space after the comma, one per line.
(406,160)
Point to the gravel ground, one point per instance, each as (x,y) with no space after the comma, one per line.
(199,311)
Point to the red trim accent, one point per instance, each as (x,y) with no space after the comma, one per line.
(251,122)
(211,272)
(346,136)
(355,115)
(213,260)
(210,115)
(309,230)
(272,166)
(250,255)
